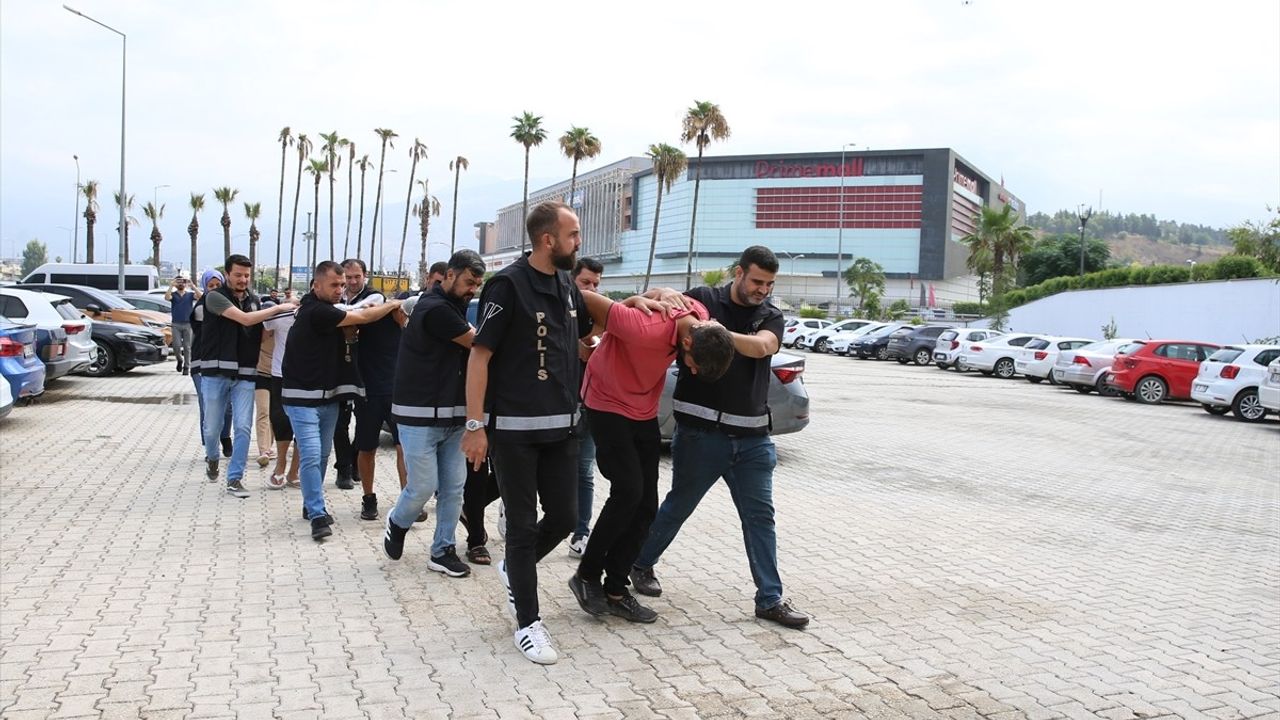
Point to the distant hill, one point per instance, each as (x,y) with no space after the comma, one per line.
(1127,249)
(1140,238)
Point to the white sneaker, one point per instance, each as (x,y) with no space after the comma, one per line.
(506,584)
(535,643)
(578,546)
(502,520)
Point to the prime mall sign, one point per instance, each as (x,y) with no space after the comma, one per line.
(853,167)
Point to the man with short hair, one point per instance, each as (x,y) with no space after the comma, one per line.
(319,372)
(722,431)
(431,414)
(182,299)
(228,357)
(345,460)
(586,275)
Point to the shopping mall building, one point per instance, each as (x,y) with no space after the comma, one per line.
(904,209)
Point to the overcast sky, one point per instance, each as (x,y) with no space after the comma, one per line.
(1171,108)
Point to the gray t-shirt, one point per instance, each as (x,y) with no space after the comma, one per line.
(217,303)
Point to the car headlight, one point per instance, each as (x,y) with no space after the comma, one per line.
(156,324)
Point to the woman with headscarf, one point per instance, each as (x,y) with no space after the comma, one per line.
(210,280)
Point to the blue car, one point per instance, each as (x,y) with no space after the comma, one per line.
(19,363)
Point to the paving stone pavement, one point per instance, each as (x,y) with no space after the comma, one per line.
(968,547)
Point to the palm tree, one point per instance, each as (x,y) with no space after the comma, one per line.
(316,168)
(387,135)
(364,164)
(528,132)
(332,143)
(424,210)
(253,211)
(457,165)
(351,166)
(90,190)
(669,164)
(196,203)
(286,139)
(226,196)
(128,220)
(578,143)
(304,149)
(416,153)
(996,241)
(702,123)
(154,214)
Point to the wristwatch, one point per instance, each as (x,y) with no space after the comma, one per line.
(474,425)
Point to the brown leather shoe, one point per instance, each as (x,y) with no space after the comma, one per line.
(784,615)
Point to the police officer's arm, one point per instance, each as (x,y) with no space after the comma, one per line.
(235,314)
(598,308)
(475,444)
(366,315)
(760,345)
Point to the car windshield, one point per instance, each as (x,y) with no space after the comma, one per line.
(886,330)
(948,336)
(903,332)
(119,303)
(1130,348)
(67,310)
(1225,355)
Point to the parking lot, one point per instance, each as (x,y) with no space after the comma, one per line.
(967,546)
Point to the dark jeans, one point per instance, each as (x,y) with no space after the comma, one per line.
(527,474)
(481,490)
(586,482)
(628,455)
(700,457)
(343,454)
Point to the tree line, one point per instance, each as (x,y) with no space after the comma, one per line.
(1106,223)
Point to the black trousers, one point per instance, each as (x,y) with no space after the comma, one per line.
(481,490)
(529,473)
(627,451)
(344,456)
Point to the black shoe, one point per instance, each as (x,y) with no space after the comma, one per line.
(226,447)
(393,540)
(590,595)
(211,469)
(179,368)
(186,371)
(326,517)
(645,582)
(320,527)
(784,615)
(369,507)
(630,609)
(449,564)
(236,490)
(344,479)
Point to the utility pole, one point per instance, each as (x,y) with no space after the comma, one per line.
(1084,214)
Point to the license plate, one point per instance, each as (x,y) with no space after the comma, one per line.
(28,351)
(1202,388)
(939,356)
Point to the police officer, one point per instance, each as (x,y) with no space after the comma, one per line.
(722,431)
(522,406)
(431,414)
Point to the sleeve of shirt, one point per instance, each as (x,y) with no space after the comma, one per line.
(444,324)
(217,303)
(584,318)
(497,301)
(776,325)
(700,293)
(325,318)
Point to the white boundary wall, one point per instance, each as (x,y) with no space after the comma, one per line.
(1223,311)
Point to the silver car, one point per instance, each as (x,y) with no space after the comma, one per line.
(788,398)
(1085,368)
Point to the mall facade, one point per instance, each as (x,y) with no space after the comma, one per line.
(904,209)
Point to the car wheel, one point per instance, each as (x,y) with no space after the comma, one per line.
(1247,408)
(1004,368)
(942,366)
(882,353)
(1215,409)
(104,363)
(1082,389)
(1034,380)
(820,346)
(1151,390)
(1105,390)
(922,357)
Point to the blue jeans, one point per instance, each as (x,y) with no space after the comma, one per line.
(226,423)
(219,392)
(699,458)
(586,482)
(313,431)
(434,461)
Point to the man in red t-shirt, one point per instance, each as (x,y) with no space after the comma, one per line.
(621,390)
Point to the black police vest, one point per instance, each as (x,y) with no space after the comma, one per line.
(227,348)
(197,324)
(431,387)
(737,403)
(533,374)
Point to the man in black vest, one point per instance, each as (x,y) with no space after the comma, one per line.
(431,412)
(319,372)
(230,335)
(722,430)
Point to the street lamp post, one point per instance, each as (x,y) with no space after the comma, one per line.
(1084,214)
(155,194)
(124,50)
(75,236)
(840,227)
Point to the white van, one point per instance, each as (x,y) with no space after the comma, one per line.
(104,276)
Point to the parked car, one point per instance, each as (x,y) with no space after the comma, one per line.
(18,361)
(916,346)
(1269,391)
(788,397)
(49,311)
(1229,380)
(876,344)
(1152,371)
(6,397)
(124,347)
(1036,359)
(994,356)
(796,326)
(953,341)
(819,340)
(102,305)
(841,343)
(1085,369)
(105,276)
(148,301)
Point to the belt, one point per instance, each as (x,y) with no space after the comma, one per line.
(536,422)
(724,418)
(418,411)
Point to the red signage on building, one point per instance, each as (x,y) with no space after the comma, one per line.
(966,182)
(782,169)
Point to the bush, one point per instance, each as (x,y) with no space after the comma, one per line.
(809,311)
(1231,267)
(967,308)
(1161,274)
(1228,267)
(898,308)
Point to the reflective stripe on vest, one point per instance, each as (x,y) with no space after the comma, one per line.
(415,411)
(296,394)
(536,422)
(215,364)
(706,413)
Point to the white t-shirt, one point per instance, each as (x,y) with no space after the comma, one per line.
(279,327)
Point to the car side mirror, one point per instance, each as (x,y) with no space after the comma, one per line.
(93,309)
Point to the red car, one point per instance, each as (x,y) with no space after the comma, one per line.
(1152,371)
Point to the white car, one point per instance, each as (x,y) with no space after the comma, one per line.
(820,340)
(1229,380)
(994,356)
(796,326)
(841,343)
(951,342)
(1036,359)
(6,397)
(48,311)
(1269,390)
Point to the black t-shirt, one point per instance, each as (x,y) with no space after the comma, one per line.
(378,346)
(444,323)
(316,357)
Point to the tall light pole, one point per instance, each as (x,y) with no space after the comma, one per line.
(840,226)
(124,50)
(75,236)
(155,194)
(1084,214)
